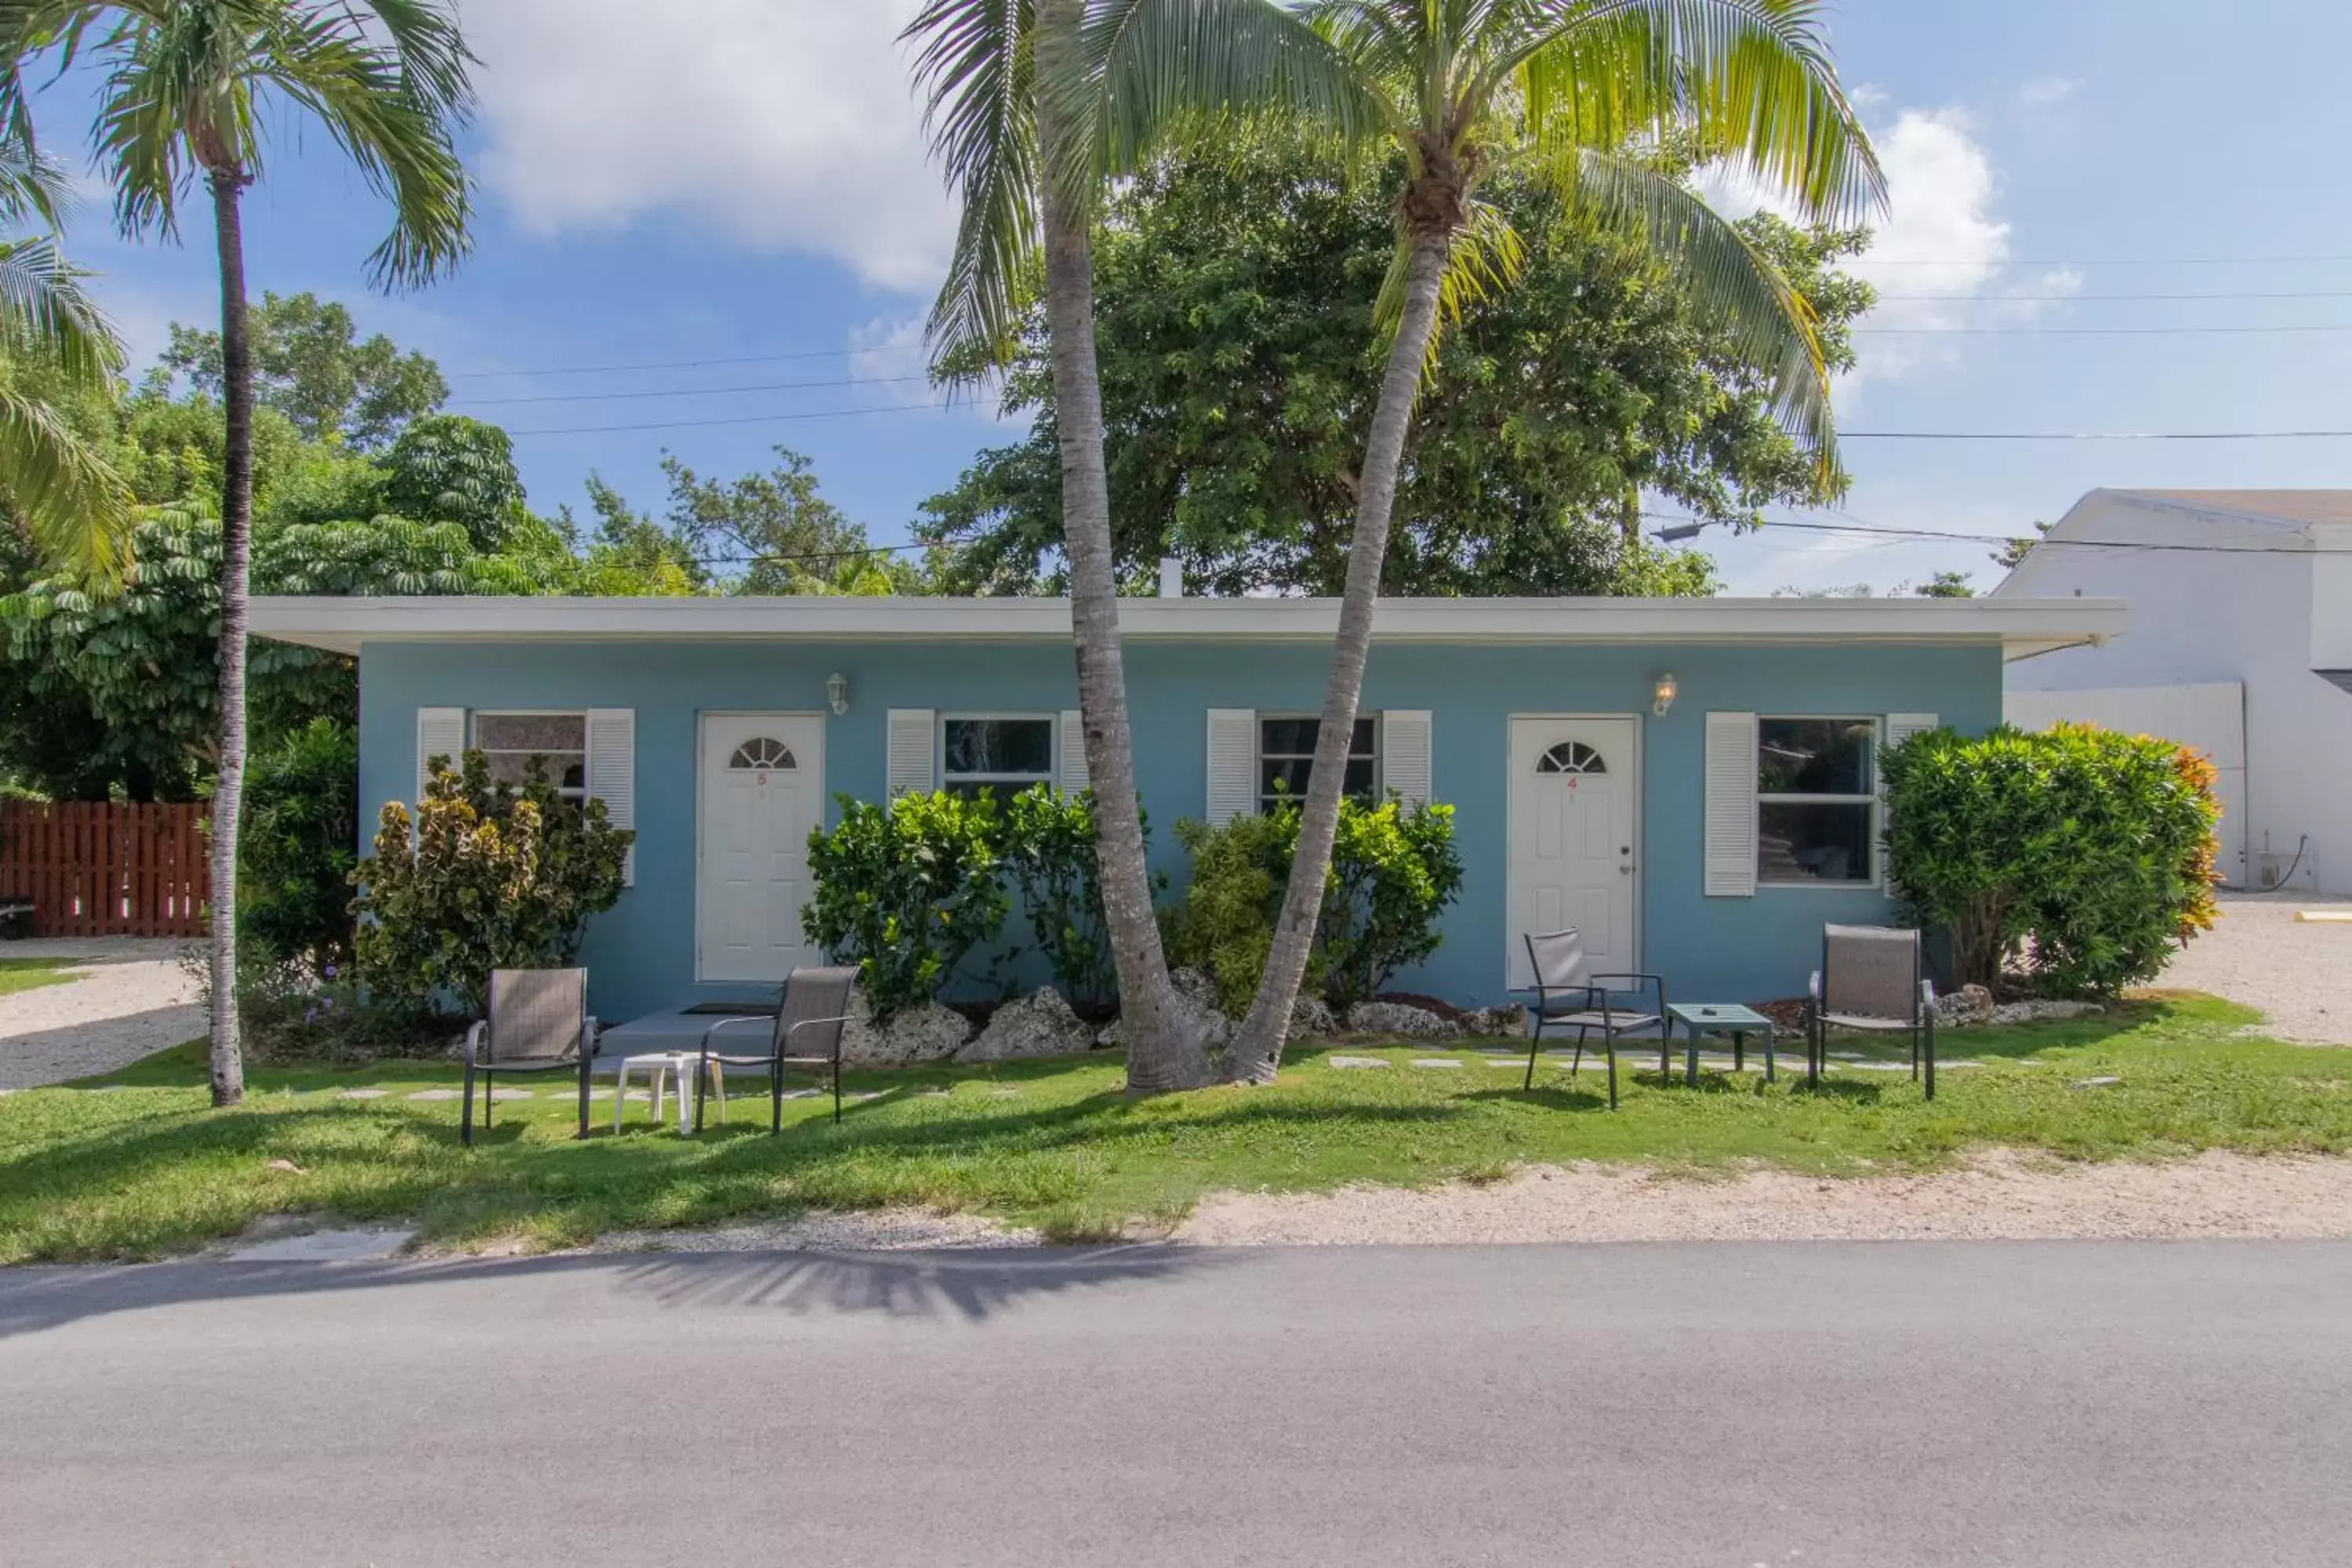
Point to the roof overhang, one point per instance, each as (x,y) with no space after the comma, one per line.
(2019,626)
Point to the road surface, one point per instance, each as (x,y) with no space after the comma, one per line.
(1801,1405)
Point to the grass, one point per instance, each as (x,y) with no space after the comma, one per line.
(150,1168)
(31,973)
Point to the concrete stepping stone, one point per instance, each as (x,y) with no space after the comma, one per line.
(2104,1081)
(372,1245)
(1436,1062)
(1345,1063)
(514,1094)
(437,1094)
(362,1093)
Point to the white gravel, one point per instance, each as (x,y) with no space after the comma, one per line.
(1997,1196)
(877,1230)
(2298,974)
(132,999)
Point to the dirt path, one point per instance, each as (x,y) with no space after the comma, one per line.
(2000,1194)
(131,1000)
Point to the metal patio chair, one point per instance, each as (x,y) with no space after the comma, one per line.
(1872,979)
(539,1022)
(806,1031)
(1567,997)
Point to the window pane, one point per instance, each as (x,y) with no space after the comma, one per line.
(564,772)
(1815,756)
(1360,777)
(549,733)
(1291,773)
(1286,737)
(1000,746)
(1814,843)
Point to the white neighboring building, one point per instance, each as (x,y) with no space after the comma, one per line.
(2241,645)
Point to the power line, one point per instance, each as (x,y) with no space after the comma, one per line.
(2104,299)
(2126,261)
(743,419)
(684,391)
(1871,529)
(688,364)
(2089,331)
(2093,435)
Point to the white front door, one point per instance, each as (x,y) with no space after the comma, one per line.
(762,794)
(1576,789)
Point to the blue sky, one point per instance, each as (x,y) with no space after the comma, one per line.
(721,180)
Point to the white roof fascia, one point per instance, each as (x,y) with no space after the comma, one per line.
(2021,625)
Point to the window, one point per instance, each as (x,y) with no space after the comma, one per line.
(510,740)
(762,753)
(1285,757)
(1001,754)
(1571,757)
(1817,800)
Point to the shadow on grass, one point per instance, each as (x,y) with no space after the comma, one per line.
(972,1286)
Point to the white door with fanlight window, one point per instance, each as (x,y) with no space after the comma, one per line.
(1575,841)
(762,783)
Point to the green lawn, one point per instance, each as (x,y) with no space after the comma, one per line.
(30,974)
(149,1169)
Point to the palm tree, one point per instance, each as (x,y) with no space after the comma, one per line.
(983,65)
(191,87)
(1585,86)
(54,342)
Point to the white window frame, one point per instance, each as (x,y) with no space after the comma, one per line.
(1004,785)
(1875,800)
(474,716)
(1259,754)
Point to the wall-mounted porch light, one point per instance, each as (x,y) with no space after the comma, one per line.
(1662,697)
(836,693)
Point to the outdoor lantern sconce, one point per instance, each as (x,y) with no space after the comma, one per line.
(836,693)
(1663,698)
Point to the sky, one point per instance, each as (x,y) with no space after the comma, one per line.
(737,191)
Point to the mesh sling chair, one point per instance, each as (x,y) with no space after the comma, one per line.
(1871,979)
(1567,997)
(539,1022)
(806,1032)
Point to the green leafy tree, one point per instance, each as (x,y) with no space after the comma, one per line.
(1050,857)
(1946,586)
(446,467)
(186,88)
(481,876)
(300,843)
(1230,289)
(1588,94)
(310,364)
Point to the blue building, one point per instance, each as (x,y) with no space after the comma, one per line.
(1690,782)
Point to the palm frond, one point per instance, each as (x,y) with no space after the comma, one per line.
(78,507)
(976,70)
(1149,70)
(45,315)
(1484,261)
(1734,288)
(34,188)
(1752,80)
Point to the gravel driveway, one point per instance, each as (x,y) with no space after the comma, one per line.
(2299,974)
(133,999)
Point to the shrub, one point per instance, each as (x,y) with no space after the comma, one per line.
(1394,871)
(491,877)
(2092,850)
(906,890)
(1049,854)
(297,842)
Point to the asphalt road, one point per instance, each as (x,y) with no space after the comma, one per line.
(1801,1406)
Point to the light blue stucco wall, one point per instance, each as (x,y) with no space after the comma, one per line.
(641,953)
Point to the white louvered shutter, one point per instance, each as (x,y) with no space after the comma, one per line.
(1405,754)
(1232,765)
(1901,727)
(1074,752)
(440,732)
(613,774)
(910,767)
(1730,805)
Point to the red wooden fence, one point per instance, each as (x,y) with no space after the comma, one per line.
(94,868)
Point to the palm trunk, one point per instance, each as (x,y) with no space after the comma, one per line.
(236,521)
(1162,1053)
(1256,1048)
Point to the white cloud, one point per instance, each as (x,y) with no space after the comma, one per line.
(886,350)
(788,125)
(2048,91)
